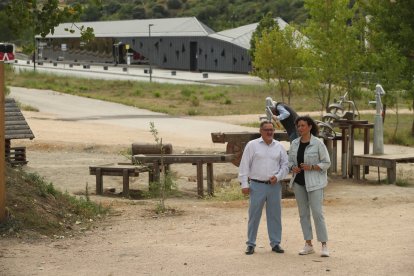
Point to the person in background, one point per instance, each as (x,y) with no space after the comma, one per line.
(309,161)
(264,163)
(285,115)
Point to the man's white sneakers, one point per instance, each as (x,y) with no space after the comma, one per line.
(325,251)
(307,249)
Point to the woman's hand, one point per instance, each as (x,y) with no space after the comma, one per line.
(296,169)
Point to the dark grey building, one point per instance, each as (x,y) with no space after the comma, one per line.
(173,43)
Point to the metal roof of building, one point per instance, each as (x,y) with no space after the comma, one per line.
(164,27)
(242,35)
(185,26)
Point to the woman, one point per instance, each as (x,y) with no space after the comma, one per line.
(309,162)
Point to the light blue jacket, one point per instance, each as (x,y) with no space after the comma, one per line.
(316,153)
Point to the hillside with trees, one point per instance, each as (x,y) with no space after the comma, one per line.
(217,14)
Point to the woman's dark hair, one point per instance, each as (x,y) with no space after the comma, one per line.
(314,130)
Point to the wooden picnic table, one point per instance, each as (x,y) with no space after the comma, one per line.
(195,159)
(116,170)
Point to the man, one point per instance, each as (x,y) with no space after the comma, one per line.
(285,115)
(264,163)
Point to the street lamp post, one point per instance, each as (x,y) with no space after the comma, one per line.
(149,50)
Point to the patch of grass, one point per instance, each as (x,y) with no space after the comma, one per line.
(194,101)
(186,93)
(35,208)
(229,192)
(403,135)
(403,183)
(25,107)
(192,112)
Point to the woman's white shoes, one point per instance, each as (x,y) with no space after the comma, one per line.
(325,251)
(307,249)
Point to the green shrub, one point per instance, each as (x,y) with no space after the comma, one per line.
(195,101)
(192,112)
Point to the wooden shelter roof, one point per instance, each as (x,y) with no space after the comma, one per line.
(16,126)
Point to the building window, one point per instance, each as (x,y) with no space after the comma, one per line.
(177,54)
(223,53)
(183,49)
(165,59)
(216,62)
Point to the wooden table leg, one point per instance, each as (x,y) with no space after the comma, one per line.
(99,181)
(329,147)
(392,173)
(125,183)
(334,156)
(200,191)
(357,172)
(351,150)
(210,179)
(344,152)
(156,171)
(366,147)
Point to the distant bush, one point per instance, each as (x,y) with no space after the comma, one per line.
(174,4)
(195,101)
(213,96)
(187,92)
(192,112)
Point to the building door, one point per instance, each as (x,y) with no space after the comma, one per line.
(193,56)
(119,53)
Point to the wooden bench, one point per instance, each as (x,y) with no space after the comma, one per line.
(116,170)
(388,161)
(16,156)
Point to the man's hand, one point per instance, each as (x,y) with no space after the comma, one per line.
(246,191)
(273,179)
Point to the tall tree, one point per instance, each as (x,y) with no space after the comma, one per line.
(334,45)
(43,16)
(277,57)
(266,24)
(391,30)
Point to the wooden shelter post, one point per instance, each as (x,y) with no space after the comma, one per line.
(2,148)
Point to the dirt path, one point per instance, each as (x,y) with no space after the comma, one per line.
(371,227)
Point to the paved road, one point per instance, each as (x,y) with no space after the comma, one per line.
(139,73)
(66,107)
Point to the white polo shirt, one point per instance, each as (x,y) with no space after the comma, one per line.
(261,161)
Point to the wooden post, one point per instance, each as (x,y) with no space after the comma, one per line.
(125,183)
(344,152)
(99,181)
(200,189)
(2,149)
(210,179)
